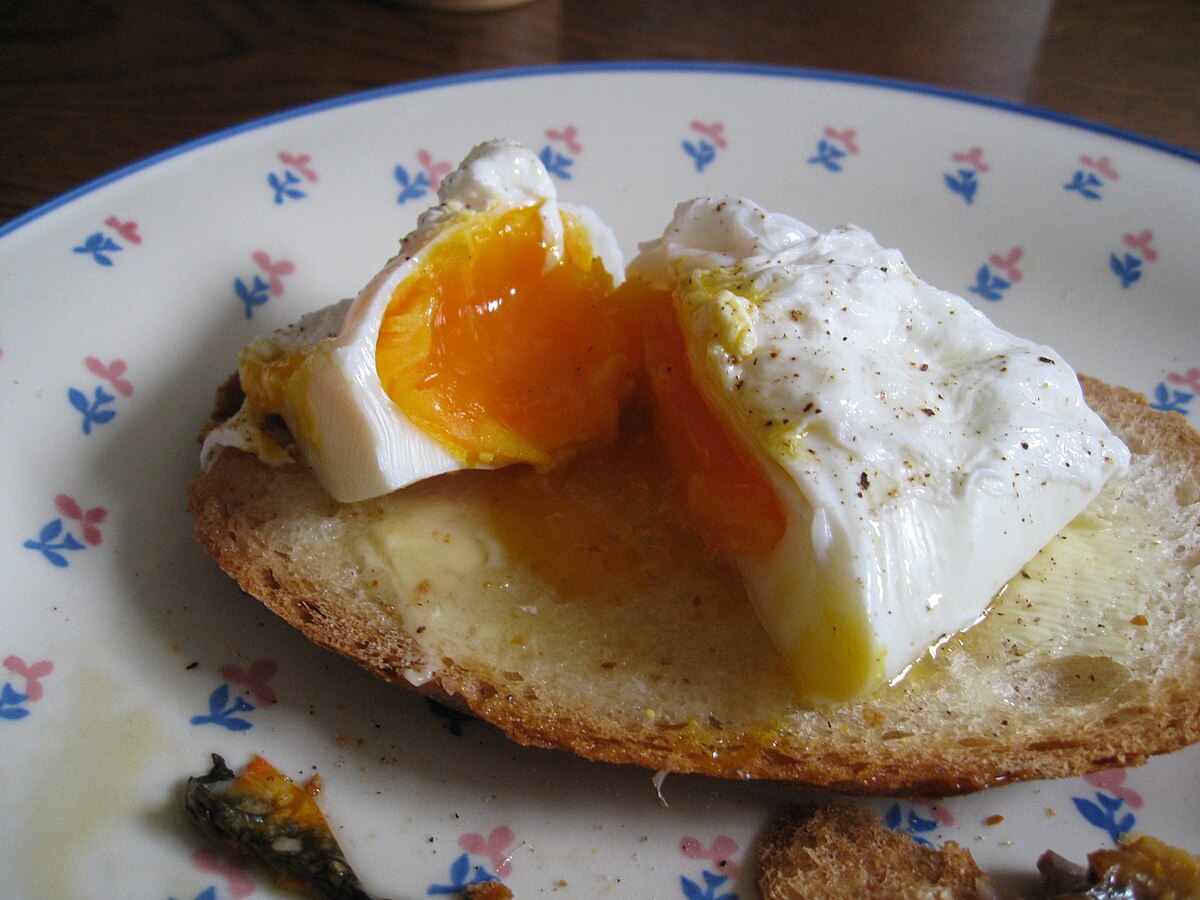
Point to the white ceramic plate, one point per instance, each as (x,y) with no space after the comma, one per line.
(128,658)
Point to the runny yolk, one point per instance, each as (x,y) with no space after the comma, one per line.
(728,499)
(499,359)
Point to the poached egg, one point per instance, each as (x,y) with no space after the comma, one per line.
(876,455)
(490,339)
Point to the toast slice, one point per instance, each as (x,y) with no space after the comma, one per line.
(573,611)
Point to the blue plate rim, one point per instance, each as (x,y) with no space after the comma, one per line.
(577,68)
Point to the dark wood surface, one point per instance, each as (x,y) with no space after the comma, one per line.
(87,86)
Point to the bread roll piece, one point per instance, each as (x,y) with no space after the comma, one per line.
(572,611)
(842,851)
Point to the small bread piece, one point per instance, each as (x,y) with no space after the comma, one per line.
(572,611)
(842,851)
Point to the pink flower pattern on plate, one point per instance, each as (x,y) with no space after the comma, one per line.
(112,373)
(273,270)
(436,170)
(569,137)
(89,520)
(301,163)
(495,847)
(128,230)
(236,881)
(834,145)
(255,678)
(12,701)
(33,673)
(1113,781)
(1190,378)
(258,290)
(720,853)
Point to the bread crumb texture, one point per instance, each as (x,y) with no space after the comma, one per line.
(842,851)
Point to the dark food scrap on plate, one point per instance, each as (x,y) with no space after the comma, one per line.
(263,814)
(1139,868)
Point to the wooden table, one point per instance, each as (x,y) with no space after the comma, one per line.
(90,85)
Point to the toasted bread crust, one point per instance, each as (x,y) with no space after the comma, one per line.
(842,851)
(928,739)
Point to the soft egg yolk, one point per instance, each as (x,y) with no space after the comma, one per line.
(500,357)
(728,499)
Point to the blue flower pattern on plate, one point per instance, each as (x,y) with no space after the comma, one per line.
(1103,814)
(712,881)
(54,540)
(12,703)
(1169,398)
(1127,264)
(462,875)
(912,824)
(1093,176)
(703,150)
(12,700)
(100,246)
(286,185)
